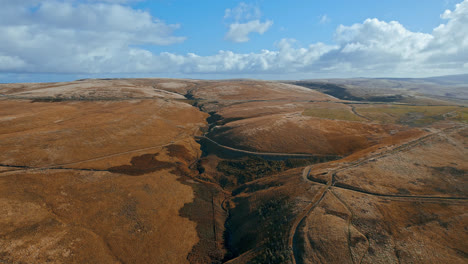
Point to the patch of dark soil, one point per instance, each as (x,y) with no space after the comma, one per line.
(458,173)
(179,151)
(205,210)
(141,165)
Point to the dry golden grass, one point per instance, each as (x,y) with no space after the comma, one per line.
(296,133)
(41,134)
(352,227)
(125,192)
(436,167)
(405,114)
(461,115)
(93,89)
(336,114)
(84,216)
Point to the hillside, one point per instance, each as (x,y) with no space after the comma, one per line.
(233,171)
(453,87)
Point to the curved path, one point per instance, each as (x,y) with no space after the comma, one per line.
(267,153)
(353,109)
(331,183)
(302,216)
(60,166)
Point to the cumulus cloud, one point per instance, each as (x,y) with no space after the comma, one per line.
(376,45)
(244,20)
(60,37)
(450,44)
(51,36)
(243,12)
(239,32)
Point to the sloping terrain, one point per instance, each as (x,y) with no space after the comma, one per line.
(235,171)
(394,205)
(97,182)
(386,89)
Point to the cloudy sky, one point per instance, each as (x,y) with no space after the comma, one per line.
(57,40)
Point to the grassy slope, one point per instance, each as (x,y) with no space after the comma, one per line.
(339,114)
(411,115)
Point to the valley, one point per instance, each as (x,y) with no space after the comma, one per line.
(232,171)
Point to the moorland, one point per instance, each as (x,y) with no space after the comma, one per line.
(234,171)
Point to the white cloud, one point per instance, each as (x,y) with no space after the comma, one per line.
(243,12)
(239,32)
(55,39)
(378,45)
(450,43)
(324,19)
(65,36)
(244,20)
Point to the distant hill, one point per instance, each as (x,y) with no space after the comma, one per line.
(449,87)
(460,79)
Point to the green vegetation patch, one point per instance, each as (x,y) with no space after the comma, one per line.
(336,113)
(265,227)
(237,172)
(461,115)
(407,114)
(275,219)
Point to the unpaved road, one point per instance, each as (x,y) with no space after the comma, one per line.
(279,154)
(333,184)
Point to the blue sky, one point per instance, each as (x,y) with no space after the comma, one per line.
(204,26)
(56,40)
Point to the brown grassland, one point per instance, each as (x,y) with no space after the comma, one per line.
(238,171)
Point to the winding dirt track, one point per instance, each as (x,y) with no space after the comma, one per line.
(333,184)
(353,108)
(61,166)
(265,153)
